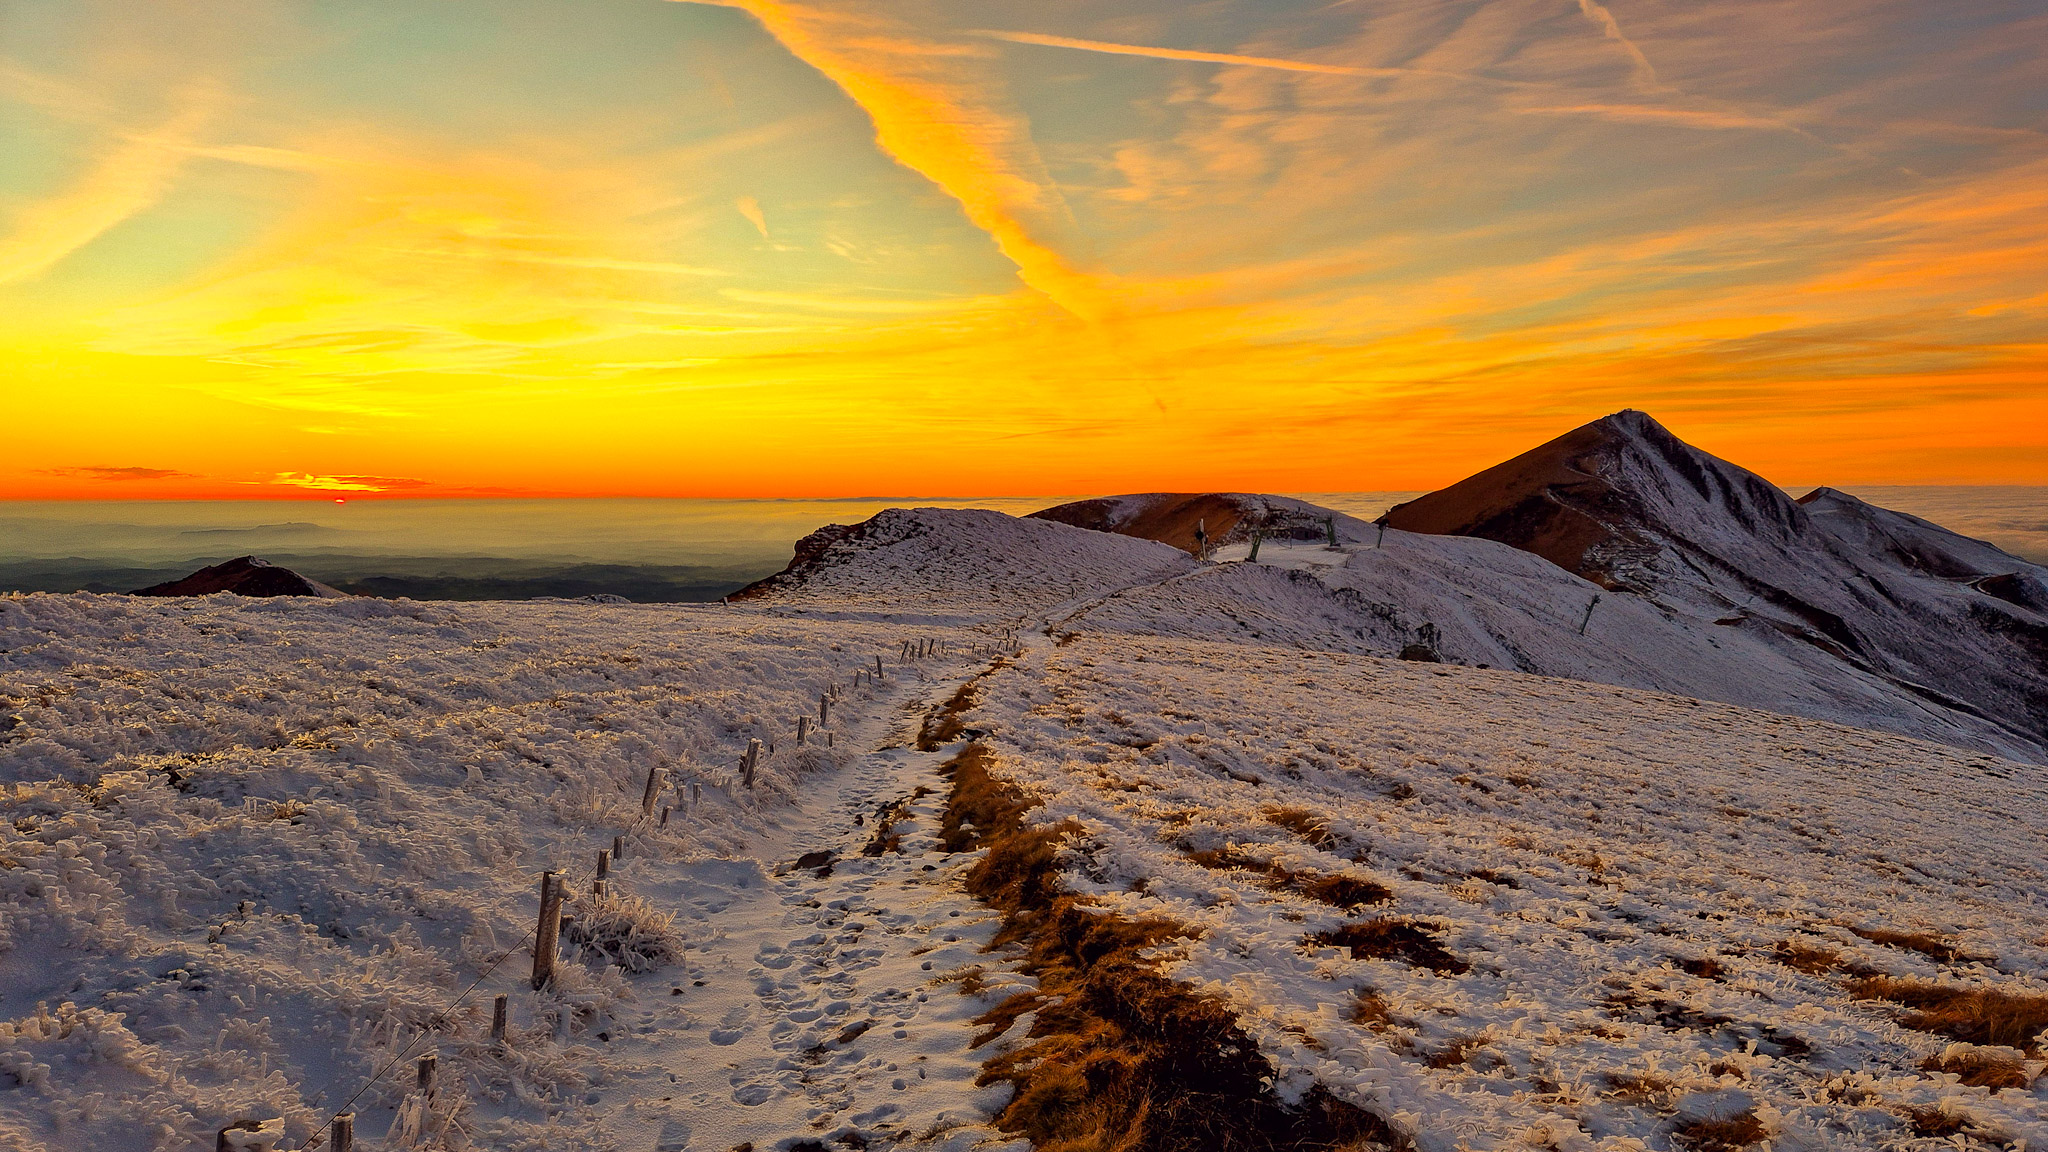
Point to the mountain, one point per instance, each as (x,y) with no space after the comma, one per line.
(961,564)
(243,576)
(1952,622)
(1226,517)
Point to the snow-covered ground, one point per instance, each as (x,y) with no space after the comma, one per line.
(258,851)
(1608,881)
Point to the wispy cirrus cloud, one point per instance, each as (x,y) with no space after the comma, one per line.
(123,473)
(934,115)
(128,180)
(1238,60)
(1593,10)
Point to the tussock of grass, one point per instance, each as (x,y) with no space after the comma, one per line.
(1304,824)
(1980,1068)
(627,931)
(1637,1089)
(1936,1121)
(1390,938)
(1989,1016)
(1118,1057)
(1370,1011)
(1336,890)
(1926,943)
(1807,958)
(1719,1135)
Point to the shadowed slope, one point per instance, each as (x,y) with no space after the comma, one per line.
(243,576)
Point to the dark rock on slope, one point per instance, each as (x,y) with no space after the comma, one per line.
(1227,517)
(243,576)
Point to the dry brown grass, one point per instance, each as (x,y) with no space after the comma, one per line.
(1981,1069)
(1335,889)
(1989,1016)
(1458,1051)
(1391,938)
(1926,943)
(1719,1135)
(945,726)
(1304,824)
(1637,1089)
(1704,967)
(1118,1058)
(1807,958)
(1370,1010)
(1935,1121)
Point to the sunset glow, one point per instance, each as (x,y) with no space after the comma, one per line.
(851,247)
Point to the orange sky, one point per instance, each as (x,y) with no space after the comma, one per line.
(834,247)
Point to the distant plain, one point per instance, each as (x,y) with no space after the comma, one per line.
(650,550)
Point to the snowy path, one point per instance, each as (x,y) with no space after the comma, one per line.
(821,1006)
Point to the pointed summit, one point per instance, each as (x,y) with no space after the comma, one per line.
(1950,621)
(1602,500)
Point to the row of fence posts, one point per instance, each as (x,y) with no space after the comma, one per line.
(552,923)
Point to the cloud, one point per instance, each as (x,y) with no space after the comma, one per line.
(1676,117)
(751,209)
(933,113)
(1233,59)
(346,483)
(93,472)
(128,181)
(1596,12)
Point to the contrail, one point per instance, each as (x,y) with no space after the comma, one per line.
(1596,12)
(1232,58)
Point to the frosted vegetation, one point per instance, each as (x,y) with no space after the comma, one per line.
(255,851)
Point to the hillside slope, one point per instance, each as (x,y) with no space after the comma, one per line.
(1630,507)
(1510,912)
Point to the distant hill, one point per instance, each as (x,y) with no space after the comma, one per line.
(1226,517)
(243,576)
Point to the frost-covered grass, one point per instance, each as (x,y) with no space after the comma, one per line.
(253,847)
(1616,918)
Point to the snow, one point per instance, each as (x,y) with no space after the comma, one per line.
(1574,844)
(258,850)
(255,846)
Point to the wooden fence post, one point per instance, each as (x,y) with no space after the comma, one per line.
(618,847)
(749,762)
(498,1019)
(547,935)
(342,1133)
(604,863)
(825,711)
(664,816)
(426,1066)
(654,781)
(878,667)
(803,730)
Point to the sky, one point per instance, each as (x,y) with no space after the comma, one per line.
(326,249)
